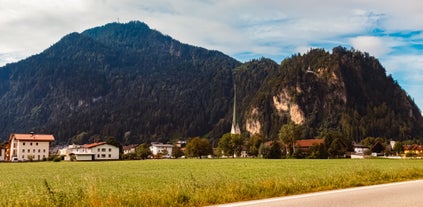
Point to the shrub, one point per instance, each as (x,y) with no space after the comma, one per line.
(57,159)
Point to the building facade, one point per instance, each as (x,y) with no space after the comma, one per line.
(25,147)
(160,149)
(2,153)
(90,152)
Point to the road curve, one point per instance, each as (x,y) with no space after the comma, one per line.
(409,194)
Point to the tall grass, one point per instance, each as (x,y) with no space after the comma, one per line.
(187,182)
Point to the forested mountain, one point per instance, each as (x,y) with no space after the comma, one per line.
(121,80)
(135,84)
(345,90)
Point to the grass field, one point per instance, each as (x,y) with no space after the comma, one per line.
(190,182)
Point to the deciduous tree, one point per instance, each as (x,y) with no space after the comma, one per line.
(198,147)
(336,143)
(288,134)
(253,145)
(231,144)
(143,151)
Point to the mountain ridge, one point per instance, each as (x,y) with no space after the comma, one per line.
(135,84)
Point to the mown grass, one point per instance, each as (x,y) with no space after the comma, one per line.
(189,182)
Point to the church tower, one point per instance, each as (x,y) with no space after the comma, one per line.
(235,127)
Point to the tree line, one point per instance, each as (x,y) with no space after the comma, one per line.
(335,145)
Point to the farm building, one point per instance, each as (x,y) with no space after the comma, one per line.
(413,149)
(160,149)
(305,144)
(129,148)
(23,147)
(360,149)
(89,152)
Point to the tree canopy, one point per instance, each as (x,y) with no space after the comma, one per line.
(198,147)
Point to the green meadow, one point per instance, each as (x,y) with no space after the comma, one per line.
(188,182)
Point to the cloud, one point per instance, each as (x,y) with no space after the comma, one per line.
(245,30)
(373,45)
(407,69)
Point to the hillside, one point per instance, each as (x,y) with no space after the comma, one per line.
(345,90)
(135,84)
(121,80)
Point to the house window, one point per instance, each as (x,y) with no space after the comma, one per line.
(36,143)
(44,156)
(110,149)
(103,149)
(23,156)
(23,143)
(98,155)
(38,157)
(29,150)
(98,150)
(39,150)
(110,155)
(30,143)
(23,150)
(14,145)
(33,150)
(44,150)
(103,156)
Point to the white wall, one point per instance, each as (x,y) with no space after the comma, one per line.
(24,149)
(2,154)
(100,152)
(160,148)
(84,157)
(105,152)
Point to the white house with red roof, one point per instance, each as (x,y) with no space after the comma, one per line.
(23,147)
(89,152)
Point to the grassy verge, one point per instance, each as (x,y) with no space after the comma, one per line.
(187,182)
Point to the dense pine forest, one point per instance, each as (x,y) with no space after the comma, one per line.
(134,84)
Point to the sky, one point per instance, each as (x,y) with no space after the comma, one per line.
(390,30)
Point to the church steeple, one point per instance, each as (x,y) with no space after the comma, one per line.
(235,127)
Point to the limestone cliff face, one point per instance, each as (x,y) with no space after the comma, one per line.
(283,104)
(253,125)
(297,116)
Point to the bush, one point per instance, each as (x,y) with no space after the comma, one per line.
(57,159)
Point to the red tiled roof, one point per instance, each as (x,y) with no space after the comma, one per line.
(93,144)
(129,147)
(308,142)
(32,137)
(413,147)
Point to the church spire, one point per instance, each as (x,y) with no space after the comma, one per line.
(235,127)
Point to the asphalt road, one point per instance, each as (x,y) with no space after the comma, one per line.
(407,194)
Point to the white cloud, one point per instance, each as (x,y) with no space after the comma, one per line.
(408,71)
(245,29)
(373,45)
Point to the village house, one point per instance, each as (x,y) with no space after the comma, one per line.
(160,149)
(89,152)
(377,149)
(360,149)
(304,145)
(129,148)
(23,147)
(413,149)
